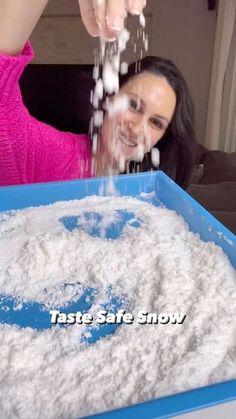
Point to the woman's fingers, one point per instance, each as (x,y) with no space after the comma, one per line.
(88,17)
(100,9)
(116,14)
(106,17)
(135,7)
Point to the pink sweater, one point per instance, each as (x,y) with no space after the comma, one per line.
(31,151)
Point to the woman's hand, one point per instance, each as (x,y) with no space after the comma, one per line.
(106,17)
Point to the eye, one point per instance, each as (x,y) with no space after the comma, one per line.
(157,123)
(135,105)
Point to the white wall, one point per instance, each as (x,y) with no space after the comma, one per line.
(182,30)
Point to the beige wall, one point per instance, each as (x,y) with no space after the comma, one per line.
(182,30)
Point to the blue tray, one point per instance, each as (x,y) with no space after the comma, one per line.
(173,197)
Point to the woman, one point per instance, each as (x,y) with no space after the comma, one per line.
(158,111)
(160,114)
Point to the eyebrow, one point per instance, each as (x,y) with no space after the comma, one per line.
(143,103)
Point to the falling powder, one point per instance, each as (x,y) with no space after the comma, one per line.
(98,93)
(110,78)
(142,20)
(155,264)
(98,118)
(155,156)
(107,60)
(124,68)
(119,104)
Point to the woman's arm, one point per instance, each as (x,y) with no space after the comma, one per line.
(18,19)
(30,151)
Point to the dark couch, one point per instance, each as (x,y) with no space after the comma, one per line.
(60,95)
(213,185)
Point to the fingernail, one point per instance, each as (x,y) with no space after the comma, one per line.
(136,9)
(112,39)
(115,22)
(94,34)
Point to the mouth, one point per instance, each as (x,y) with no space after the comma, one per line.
(127,142)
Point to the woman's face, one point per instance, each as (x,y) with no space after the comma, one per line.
(129,133)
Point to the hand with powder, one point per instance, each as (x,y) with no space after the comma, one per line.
(106,17)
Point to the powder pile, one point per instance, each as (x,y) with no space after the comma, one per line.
(155,264)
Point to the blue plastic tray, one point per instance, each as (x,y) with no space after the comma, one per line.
(198,219)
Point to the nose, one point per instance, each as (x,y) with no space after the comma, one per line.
(136,126)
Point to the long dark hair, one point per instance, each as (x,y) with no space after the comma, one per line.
(178,146)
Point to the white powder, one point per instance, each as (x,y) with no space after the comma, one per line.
(123,38)
(118,104)
(98,93)
(124,67)
(146,43)
(142,34)
(140,150)
(110,78)
(142,20)
(155,156)
(95,72)
(95,143)
(159,266)
(98,118)
(108,58)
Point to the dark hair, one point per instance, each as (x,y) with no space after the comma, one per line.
(178,146)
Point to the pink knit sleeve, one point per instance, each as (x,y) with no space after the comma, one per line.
(31,151)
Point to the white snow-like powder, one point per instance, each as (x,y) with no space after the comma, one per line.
(98,118)
(140,151)
(155,156)
(159,267)
(95,143)
(145,42)
(111,61)
(110,78)
(124,67)
(98,93)
(142,20)
(119,104)
(108,58)
(95,72)
(123,38)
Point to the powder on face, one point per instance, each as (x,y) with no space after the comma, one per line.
(154,263)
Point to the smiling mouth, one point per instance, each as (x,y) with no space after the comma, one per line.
(126,142)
